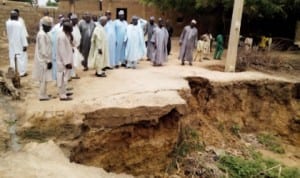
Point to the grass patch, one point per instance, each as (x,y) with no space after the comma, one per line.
(270,142)
(34,135)
(255,167)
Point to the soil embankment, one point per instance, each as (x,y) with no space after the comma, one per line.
(142,140)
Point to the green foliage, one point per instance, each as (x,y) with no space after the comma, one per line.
(239,167)
(252,8)
(34,135)
(270,142)
(52,4)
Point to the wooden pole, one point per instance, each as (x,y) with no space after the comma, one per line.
(234,36)
(72,6)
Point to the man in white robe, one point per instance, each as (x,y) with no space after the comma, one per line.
(160,41)
(121,27)
(53,33)
(24,55)
(188,42)
(64,59)
(206,45)
(135,47)
(248,44)
(99,53)
(110,30)
(43,58)
(77,56)
(17,43)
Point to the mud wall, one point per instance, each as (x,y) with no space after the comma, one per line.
(141,147)
(252,106)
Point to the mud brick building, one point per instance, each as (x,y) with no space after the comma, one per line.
(130,7)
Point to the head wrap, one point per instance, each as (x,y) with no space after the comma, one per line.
(121,12)
(74,16)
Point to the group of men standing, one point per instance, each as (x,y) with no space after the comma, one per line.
(99,44)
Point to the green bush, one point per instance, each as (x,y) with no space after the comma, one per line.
(255,167)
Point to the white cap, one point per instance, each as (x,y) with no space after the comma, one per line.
(152,18)
(121,12)
(47,21)
(60,16)
(73,16)
(134,17)
(103,18)
(194,21)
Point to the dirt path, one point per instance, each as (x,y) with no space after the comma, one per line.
(147,85)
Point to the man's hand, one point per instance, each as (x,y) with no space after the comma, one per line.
(49,65)
(100,51)
(153,45)
(68,66)
(24,49)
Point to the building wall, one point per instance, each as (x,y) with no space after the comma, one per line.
(133,7)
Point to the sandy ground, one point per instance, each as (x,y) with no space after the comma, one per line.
(128,88)
(46,160)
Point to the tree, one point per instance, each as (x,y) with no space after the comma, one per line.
(253,8)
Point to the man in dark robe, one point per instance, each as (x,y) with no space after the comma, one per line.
(86,28)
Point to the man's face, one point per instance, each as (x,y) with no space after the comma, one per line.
(88,18)
(192,25)
(95,18)
(46,28)
(122,17)
(103,22)
(151,22)
(134,22)
(14,16)
(74,21)
(160,23)
(108,15)
(68,28)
